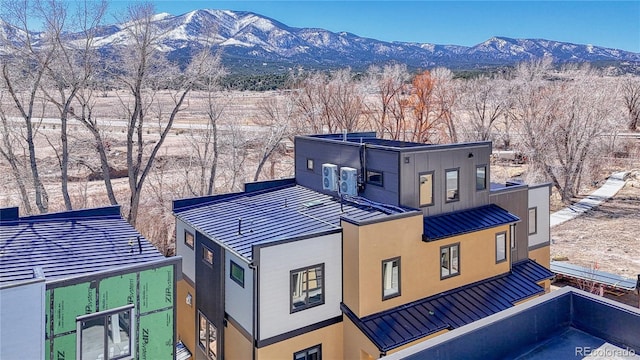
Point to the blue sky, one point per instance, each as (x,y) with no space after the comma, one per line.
(614,24)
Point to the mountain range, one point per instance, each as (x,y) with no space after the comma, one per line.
(252,41)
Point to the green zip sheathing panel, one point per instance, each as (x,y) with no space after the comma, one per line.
(153,283)
(117,291)
(156,336)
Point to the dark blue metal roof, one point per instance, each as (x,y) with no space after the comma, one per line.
(449,310)
(466,221)
(532,270)
(70,243)
(282,213)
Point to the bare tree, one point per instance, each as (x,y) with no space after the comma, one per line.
(631,98)
(387,113)
(446,95)
(274,127)
(482,98)
(143,70)
(345,101)
(23,71)
(426,113)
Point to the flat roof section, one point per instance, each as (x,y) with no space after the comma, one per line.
(70,243)
(465,221)
(241,220)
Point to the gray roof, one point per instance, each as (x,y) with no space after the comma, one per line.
(274,214)
(69,244)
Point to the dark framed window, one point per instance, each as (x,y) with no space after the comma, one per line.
(533,220)
(390,278)
(307,287)
(312,353)
(236,272)
(207,255)
(481,177)
(425,181)
(452,184)
(501,247)
(310,164)
(512,236)
(449,260)
(374,177)
(107,334)
(189,239)
(207,337)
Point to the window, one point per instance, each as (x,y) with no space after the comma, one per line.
(452,185)
(307,287)
(390,278)
(107,334)
(426,189)
(501,247)
(207,255)
(512,236)
(481,177)
(533,219)
(237,273)
(208,337)
(374,177)
(312,353)
(188,239)
(449,261)
(310,164)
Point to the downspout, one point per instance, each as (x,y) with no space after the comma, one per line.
(254,344)
(363,166)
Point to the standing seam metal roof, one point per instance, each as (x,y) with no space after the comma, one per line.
(70,244)
(465,221)
(271,215)
(449,310)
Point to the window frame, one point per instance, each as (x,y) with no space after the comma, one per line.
(188,234)
(236,280)
(446,184)
(512,236)
(399,290)
(205,249)
(311,162)
(433,200)
(209,324)
(104,315)
(306,352)
(368,174)
(442,277)
(535,220)
(484,185)
(292,287)
(504,243)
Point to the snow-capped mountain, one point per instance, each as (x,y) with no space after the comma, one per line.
(249,39)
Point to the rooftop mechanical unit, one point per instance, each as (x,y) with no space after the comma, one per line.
(348,181)
(330,177)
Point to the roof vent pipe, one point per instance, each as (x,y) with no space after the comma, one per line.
(139,245)
(344,134)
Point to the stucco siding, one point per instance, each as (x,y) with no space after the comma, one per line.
(539,198)
(187,253)
(238,300)
(23,321)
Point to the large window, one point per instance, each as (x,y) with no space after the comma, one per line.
(501,247)
(236,273)
(390,278)
(452,185)
(449,260)
(208,337)
(107,334)
(188,239)
(312,353)
(374,177)
(426,189)
(533,221)
(481,177)
(307,287)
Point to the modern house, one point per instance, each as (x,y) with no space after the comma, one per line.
(84,285)
(375,245)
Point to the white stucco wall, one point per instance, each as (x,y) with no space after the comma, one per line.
(276,263)
(539,198)
(238,301)
(187,253)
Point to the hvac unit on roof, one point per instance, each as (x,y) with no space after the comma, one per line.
(348,181)
(330,177)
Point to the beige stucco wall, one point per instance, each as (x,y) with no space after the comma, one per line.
(541,255)
(365,248)
(329,336)
(186,315)
(236,346)
(356,344)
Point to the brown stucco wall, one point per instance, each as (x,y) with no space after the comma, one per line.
(236,346)
(329,336)
(186,318)
(541,255)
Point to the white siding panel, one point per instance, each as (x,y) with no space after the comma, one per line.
(539,197)
(187,253)
(276,263)
(238,301)
(23,321)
